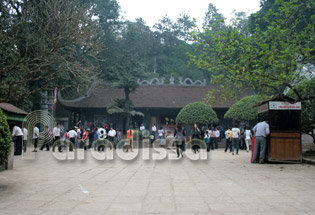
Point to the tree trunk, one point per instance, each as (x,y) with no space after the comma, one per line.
(127,107)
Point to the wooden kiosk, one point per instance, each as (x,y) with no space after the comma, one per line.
(284,141)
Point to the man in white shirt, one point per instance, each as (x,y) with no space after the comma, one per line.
(142,127)
(17,132)
(153,128)
(111,134)
(261,131)
(235,137)
(153,132)
(72,134)
(56,132)
(35,137)
(216,137)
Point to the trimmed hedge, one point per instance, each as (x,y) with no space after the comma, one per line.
(197,112)
(243,110)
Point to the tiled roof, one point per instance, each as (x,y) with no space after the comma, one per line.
(145,96)
(12,109)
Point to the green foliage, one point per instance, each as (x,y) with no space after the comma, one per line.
(197,112)
(307,89)
(71,43)
(213,19)
(46,43)
(119,106)
(5,139)
(267,60)
(243,110)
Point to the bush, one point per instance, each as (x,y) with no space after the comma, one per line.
(197,112)
(5,139)
(243,110)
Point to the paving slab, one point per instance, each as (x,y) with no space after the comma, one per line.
(222,184)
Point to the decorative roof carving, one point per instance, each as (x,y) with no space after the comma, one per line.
(189,81)
(185,82)
(155,81)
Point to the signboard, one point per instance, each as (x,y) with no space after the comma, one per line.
(284,106)
(263,108)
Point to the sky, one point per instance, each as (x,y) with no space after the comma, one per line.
(153,10)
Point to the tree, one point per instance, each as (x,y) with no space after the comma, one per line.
(243,110)
(266,61)
(197,112)
(185,24)
(125,108)
(44,43)
(108,19)
(213,20)
(5,139)
(308,107)
(125,77)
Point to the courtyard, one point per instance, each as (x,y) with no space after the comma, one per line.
(223,184)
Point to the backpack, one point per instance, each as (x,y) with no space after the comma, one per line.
(179,135)
(207,139)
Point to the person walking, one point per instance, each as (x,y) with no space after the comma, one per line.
(112,135)
(18,134)
(184,135)
(212,138)
(85,138)
(101,133)
(228,139)
(179,139)
(195,134)
(261,131)
(129,138)
(153,133)
(142,128)
(207,140)
(119,135)
(35,137)
(161,134)
(90,136)
(216,138)
(95,136)
(248,138)
(56,132)
(47,138)
(72,134)
(220,129)
(236,135)
(242,140)
(79,138)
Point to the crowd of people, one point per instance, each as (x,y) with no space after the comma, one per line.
(83,136)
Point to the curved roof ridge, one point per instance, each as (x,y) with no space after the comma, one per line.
(93,86)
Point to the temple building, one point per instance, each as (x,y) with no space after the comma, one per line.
(160,103)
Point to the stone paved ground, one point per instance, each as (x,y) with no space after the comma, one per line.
(224,184)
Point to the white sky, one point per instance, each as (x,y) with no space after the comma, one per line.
(153,10)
